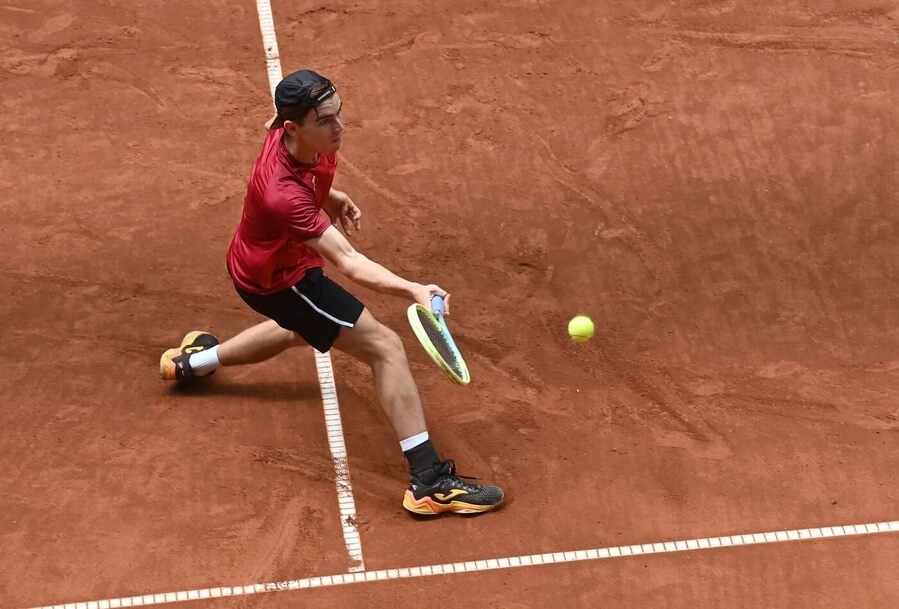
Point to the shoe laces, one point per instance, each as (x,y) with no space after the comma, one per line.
(449,470)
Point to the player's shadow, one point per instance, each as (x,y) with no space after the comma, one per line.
(281,391)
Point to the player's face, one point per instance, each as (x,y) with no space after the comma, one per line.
(323,127)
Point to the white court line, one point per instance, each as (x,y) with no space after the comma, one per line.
(345,501)
(510,562)
(270,42)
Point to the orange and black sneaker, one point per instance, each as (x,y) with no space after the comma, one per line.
(174,365)
(449,493)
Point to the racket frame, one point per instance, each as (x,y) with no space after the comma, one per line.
(436,315)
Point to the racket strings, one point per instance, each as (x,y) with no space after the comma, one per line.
(438,339)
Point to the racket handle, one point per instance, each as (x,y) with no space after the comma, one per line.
(437,305)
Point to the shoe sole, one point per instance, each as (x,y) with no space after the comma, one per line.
(167,368)
(426,507)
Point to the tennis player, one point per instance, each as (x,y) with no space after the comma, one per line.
(275,261)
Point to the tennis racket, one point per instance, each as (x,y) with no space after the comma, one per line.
(431,331)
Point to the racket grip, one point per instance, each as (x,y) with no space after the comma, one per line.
(437,305)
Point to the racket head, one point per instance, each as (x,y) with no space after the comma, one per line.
(438,343)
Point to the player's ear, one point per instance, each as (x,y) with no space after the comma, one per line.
(290,127)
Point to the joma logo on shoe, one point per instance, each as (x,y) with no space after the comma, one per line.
(453,493)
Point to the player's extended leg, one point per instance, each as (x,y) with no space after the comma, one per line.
(200,352)
(257,344)
(434,487)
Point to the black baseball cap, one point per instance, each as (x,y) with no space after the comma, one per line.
(293,96)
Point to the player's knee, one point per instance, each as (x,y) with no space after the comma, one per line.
(389,343)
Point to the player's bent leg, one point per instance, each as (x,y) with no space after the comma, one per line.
(434,486)
(380,347)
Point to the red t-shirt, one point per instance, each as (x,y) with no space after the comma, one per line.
(280,212)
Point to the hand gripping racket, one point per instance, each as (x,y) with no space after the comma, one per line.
(431,331)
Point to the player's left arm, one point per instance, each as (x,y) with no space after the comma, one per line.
(341,208)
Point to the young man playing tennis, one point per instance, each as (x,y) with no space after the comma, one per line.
(275,260)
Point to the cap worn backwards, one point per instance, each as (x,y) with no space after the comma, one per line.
(294,98)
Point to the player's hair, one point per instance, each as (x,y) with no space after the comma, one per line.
(314,92)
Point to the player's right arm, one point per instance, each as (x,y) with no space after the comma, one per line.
(335,248)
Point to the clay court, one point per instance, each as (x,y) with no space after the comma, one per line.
(713,182)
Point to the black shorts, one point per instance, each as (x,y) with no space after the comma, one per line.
(315,307)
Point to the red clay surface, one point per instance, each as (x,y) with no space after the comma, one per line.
(714,182)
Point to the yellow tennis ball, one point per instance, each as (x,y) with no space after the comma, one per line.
(580,328)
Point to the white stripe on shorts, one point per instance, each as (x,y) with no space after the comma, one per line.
(346,324)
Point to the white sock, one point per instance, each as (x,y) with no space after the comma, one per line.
(204,362)
(410,443)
